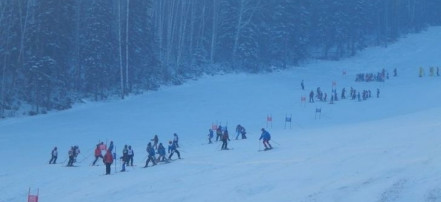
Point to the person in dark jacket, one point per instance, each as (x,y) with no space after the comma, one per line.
(108,160)
(155,142)
(97,154)
(151,155)
(225,139)
(176,140)
(210,136)
(266,136)
(125,158)
(54,155)
(243,132)
(71,156)
(130,154)
(238,130)
(218,133)
(76,152)
(111,146)
(161,152)
(172,149)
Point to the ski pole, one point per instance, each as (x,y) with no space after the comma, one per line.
(276,142)
(84,158)
(220,145)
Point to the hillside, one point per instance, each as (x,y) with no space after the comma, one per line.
(380,149)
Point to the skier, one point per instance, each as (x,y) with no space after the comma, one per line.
(238,129)
(97,154)
(155,142)
(311,97)
(151,155)
(71,156)
(54,154)
(130,154)
(395,72)
(176,140)
(125,158)
(111,146)
(302,85)
(76,152)
(266,136)
(421,74)
(225,139)
(243,132)
(172,149)
(218,133)
(161,152)
(343,92)
(378,93)
(210,136)
(108,160)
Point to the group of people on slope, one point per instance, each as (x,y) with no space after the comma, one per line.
(172,148)
(128,152)
(222,134)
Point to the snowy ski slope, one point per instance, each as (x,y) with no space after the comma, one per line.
(385,149)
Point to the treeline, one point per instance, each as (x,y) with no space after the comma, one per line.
(53,53)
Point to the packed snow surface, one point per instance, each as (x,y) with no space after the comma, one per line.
(379,149)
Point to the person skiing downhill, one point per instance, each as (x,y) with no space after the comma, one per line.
(225,139)
(130,154)
(125,158)
(54,155)
(243,132)
(218,133)
(71,157)
(111,146)
(238,130)
(76,152)
(97,154)
(108,160)
(151,155)
(266,136)
(161,152)
(172,149)
(176,140)
(210,136)
(155,142)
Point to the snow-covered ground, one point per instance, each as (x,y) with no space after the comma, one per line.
(381,149)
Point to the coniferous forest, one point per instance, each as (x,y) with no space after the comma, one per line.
(55,53)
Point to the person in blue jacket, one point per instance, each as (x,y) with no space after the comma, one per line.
(151,155)
(161,152)
(172,149)
(266,136)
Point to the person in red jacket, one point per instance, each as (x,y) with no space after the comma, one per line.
(97,154)
(108,160)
